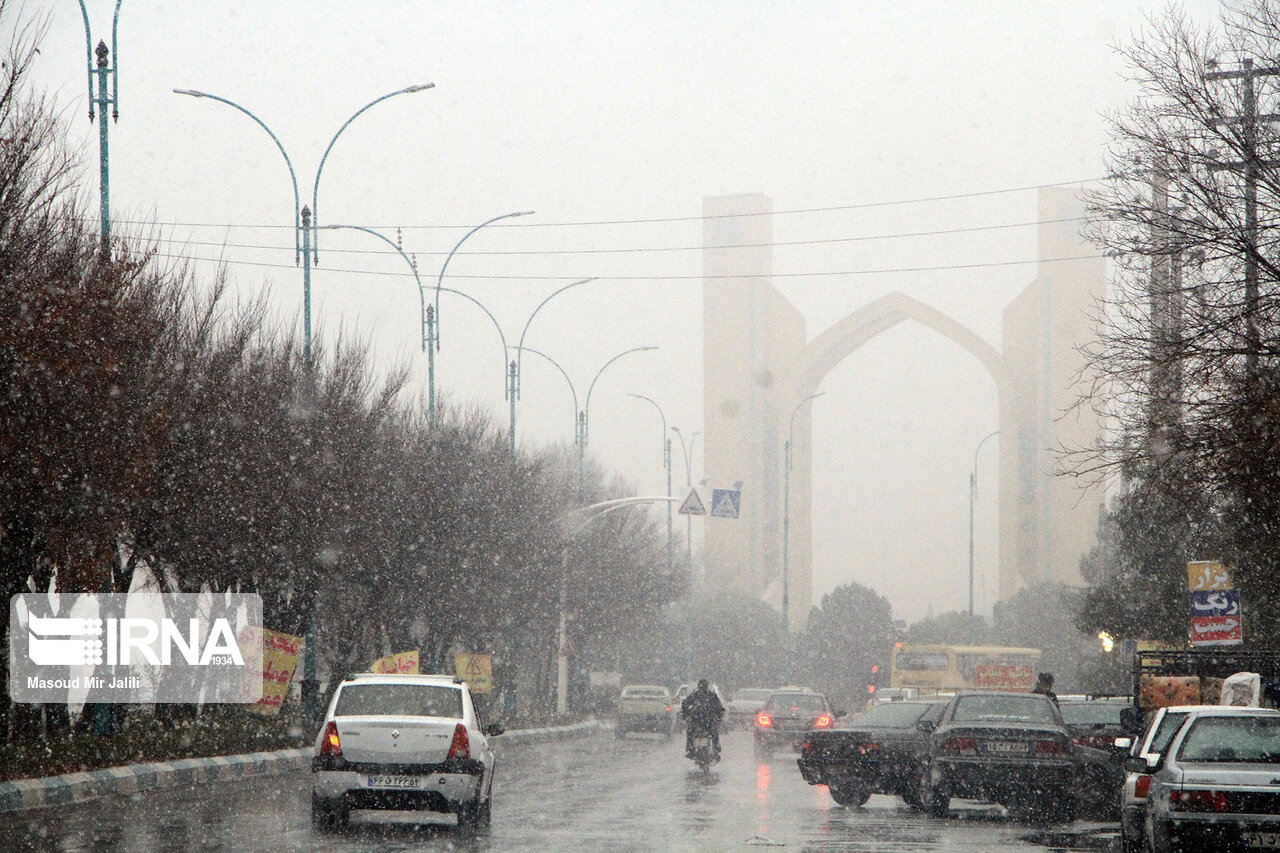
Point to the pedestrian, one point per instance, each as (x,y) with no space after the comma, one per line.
(1044,685)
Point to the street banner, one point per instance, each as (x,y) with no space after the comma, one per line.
(1207,575)
(398,664)
(476,670)
(1225,602)
(280,653)
(1018,678)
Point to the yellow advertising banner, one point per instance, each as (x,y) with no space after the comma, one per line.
(397,664)
(280,654)
(1208,575)
(476,670)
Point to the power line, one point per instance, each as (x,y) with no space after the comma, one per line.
(638,249)
(882,271)
(591,222)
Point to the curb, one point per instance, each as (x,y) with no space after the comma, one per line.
(22,794)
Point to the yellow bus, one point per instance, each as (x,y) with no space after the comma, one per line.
(942,668)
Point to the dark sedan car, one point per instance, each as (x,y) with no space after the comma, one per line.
(1008,748)
(878,752)
(787,717)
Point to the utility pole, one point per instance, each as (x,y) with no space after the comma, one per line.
(103,69)
(1249,165)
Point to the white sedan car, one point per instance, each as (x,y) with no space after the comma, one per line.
(404,743)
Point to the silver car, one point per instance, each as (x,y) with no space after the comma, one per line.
(404,743)
(1217,785)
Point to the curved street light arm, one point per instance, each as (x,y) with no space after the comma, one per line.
(661,413)
(501,336)
(557,366)
(315,190)
(293,176)
(393,244)
(115,59)
(524,331)
(445,265)
(586,408)
(88,51)
(978,450)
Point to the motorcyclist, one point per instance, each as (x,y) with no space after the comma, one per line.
(702,711)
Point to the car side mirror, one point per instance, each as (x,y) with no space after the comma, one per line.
(925,726)
(493,729)
(1123,743)
(1136,764)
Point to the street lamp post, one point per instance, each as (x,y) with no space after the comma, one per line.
(666,464)
(102,69)
(687,451)
(786,539)
(973,495)
(584,417)
(302,228)
(432,338)
(303,217)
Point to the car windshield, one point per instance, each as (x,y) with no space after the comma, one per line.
(1230,739)
(1019,709)
(751,695)
(809,703)
(399,700)
(1091,713)
(893,715)
(1164,733)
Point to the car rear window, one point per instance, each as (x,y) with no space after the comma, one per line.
(893,715)
(643,693)
(806,702)
(1014,709)
(399,700)
(752,696)
(1091,713)
(1230,739)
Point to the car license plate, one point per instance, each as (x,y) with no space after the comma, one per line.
(1004,747)
(1262,840)
(383,781)
(702,743)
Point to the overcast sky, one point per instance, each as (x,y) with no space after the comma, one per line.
(613,120)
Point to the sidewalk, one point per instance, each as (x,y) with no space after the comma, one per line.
(76,787)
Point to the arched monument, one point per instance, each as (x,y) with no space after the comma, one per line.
(759,363)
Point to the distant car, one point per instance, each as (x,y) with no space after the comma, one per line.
(644,708)
(876,752)
(1215,786)
(741,710)
(890,694)
(787,717)
(1095,725)
(404,742)
(1008,748)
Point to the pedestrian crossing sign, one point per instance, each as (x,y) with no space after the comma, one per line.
(726,503)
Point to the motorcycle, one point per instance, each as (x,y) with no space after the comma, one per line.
(703,754)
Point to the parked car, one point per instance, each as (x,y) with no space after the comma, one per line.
(405,742)
(787,717)
(876,752)
(1215,786)
(1008,748)
(644,708)
(741,710)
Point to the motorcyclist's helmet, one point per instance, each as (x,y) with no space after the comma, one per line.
(703,684)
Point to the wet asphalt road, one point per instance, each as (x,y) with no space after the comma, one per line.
(590,794)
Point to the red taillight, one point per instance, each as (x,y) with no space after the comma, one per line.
(330,744)
(1198,801)
(668,709)
(822,722)
(461,745)
(764,721)
(1142,787)
(959,746)
(1050,747)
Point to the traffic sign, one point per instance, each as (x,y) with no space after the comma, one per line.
(693,504)
(726,503)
